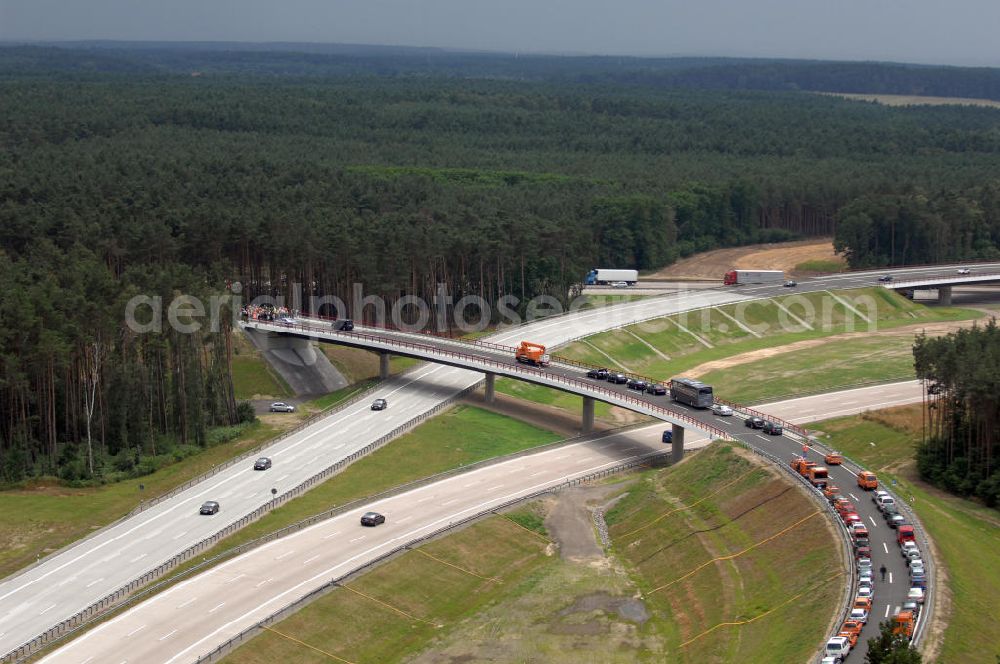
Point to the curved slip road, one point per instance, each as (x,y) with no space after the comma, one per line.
(193,617)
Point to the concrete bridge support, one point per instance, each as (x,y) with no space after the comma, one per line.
(677,443)
(383,365)
(490,394)
(587,425)
(944,295)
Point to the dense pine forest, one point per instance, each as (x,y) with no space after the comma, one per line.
(124,174)
(961,448)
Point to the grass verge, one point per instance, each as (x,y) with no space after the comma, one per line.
(966,534)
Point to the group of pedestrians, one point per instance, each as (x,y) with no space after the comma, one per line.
(265,312)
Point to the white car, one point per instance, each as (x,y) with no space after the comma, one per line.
(917,570)
(964,270)
(619,284)
(915,595)
(282,407)
(866,591)
(860,615)
(838,646)
(721,409)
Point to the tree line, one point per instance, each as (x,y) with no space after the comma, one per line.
(960,451)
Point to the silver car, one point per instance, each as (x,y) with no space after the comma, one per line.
(282,407)
(721,409)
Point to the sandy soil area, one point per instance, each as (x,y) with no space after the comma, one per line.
(917,100)
(778,256)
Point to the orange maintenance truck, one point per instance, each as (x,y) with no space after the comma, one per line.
(902,624)
(532,353)
(818,476)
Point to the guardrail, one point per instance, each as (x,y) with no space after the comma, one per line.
(111,600)
(489,365)
(294,606)
(850,585)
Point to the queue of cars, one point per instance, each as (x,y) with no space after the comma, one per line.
(903,622)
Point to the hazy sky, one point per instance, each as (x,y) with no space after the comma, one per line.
(926,31)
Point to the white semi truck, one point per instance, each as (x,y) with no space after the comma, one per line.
(602,277)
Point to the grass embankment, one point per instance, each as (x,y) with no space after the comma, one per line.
(767,596)
(966,534)
(558,611)
(670,346)
(824,266)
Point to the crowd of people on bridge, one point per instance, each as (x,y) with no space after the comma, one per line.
(265,312)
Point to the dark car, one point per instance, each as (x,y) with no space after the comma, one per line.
(262,463)
(637,384)
(863,552)
(668,436)
(656,388)
(617,378)
(754,422)
(372,519)
(210,507)
(343,324)
(772,428)
(885,278)
(380,404)
(599,374)
(896,520)
(791,283)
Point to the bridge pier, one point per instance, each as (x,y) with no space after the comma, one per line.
(490,394)
(677,443)
(588,415)
(944,295)
(383,365)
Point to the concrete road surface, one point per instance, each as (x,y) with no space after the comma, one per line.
(193,617)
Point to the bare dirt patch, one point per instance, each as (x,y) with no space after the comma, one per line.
(916,100)
(570,521)
(774,256)
(932,329)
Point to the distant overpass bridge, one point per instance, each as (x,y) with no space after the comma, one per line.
(943,283)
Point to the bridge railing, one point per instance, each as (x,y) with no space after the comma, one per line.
(488,364)
(967,279)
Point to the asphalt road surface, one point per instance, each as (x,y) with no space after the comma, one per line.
(68,582)
(191,618)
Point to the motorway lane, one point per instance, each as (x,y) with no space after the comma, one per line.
(32,602)
(64,584)
(196,615)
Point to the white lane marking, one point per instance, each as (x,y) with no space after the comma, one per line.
(138,558)
(854,498)
(886,610)
(281,478)
(167,635)
(561,456)
(136,630)
(404,519)
(498,486)
(263,582)
(541,472)
(190,601)
(873,521)
(72,578)
(180,534)
(890,577)
(333,534)
(83,662)
(357,539)
(93,582)
(216,607)
(284,555)
(309,560)
(584,459)
(449,502)
(424,500)
(466,486)
(764,438)
(236,578)
(44,611)
(885,546)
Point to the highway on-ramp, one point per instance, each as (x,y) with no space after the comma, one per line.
(192,617)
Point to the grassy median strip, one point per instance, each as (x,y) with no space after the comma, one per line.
(966,534)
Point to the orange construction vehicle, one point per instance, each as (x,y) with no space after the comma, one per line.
(830,491)
(531,353)
(847,631)
(863,603)
(903,623)
(802,467)
(867,480)
(834,459)
(818,476)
